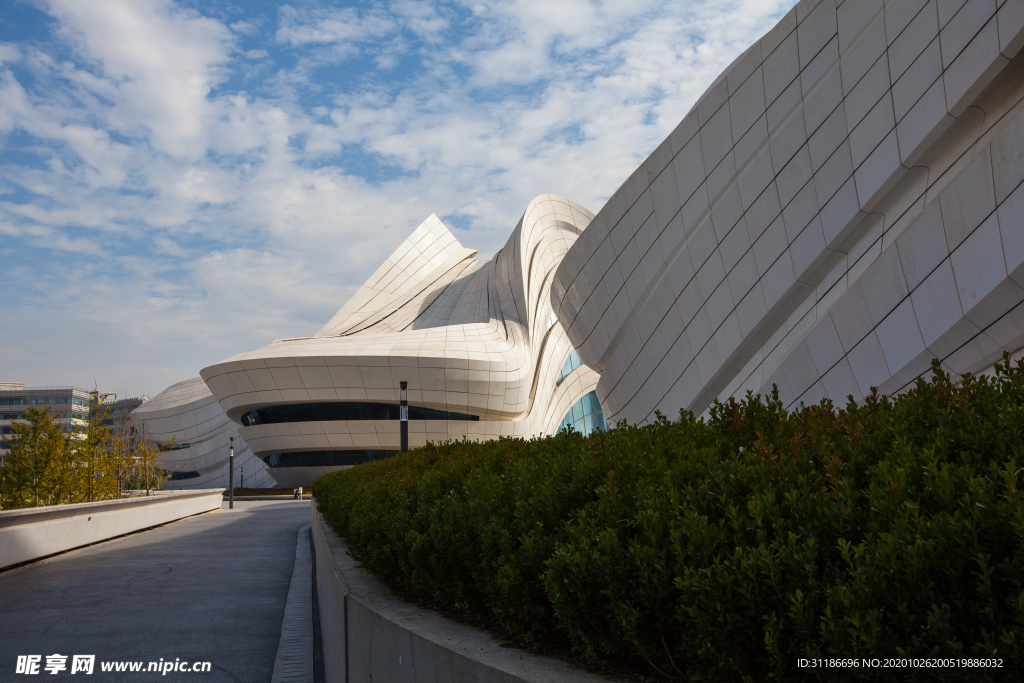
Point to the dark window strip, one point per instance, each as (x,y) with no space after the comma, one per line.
(44,401)
(56,415)
(325,458)
(344,410)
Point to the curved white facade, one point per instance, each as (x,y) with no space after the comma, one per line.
(198,456)
(475,341)
(840,207)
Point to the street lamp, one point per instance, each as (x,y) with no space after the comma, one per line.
(403,415)
(231,476)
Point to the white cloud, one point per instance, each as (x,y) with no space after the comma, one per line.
(247,27)
(163,61)
(345,26)
(14,105)
(9,53)
(422,18)
(48,238)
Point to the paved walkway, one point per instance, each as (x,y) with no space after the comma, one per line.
(208,588)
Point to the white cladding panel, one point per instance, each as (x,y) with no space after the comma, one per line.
(839,208)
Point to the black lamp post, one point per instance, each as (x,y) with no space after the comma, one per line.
(231,476)
(403,415)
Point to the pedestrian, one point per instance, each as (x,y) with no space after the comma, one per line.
(298,493)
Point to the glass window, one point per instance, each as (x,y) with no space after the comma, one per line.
(44,401)
(572,361)
(345,410)
(173,446)
(585,416)
(325,458)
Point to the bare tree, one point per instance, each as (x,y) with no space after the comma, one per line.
(120,452)
(149,471)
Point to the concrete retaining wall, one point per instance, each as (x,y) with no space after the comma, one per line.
(370,635)
(31,533)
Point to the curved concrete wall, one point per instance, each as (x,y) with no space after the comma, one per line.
(188,413)
(840,207)
(31,533)
(370,635)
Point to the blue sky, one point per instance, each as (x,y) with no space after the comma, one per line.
(183,181)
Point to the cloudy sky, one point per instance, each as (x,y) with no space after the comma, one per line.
(181,181)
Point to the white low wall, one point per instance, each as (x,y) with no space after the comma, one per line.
(32,533)
(370,635)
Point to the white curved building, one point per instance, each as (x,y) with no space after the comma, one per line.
(475,341)
(197,434)
(842,206)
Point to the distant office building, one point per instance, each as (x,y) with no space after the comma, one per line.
(121,409)
(68,404)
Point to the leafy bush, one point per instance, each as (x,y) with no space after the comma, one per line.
(726,549)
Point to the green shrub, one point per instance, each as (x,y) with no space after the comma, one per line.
(726,549)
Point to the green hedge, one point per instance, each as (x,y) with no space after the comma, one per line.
(730,548)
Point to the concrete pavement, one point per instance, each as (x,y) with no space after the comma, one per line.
(207,588)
